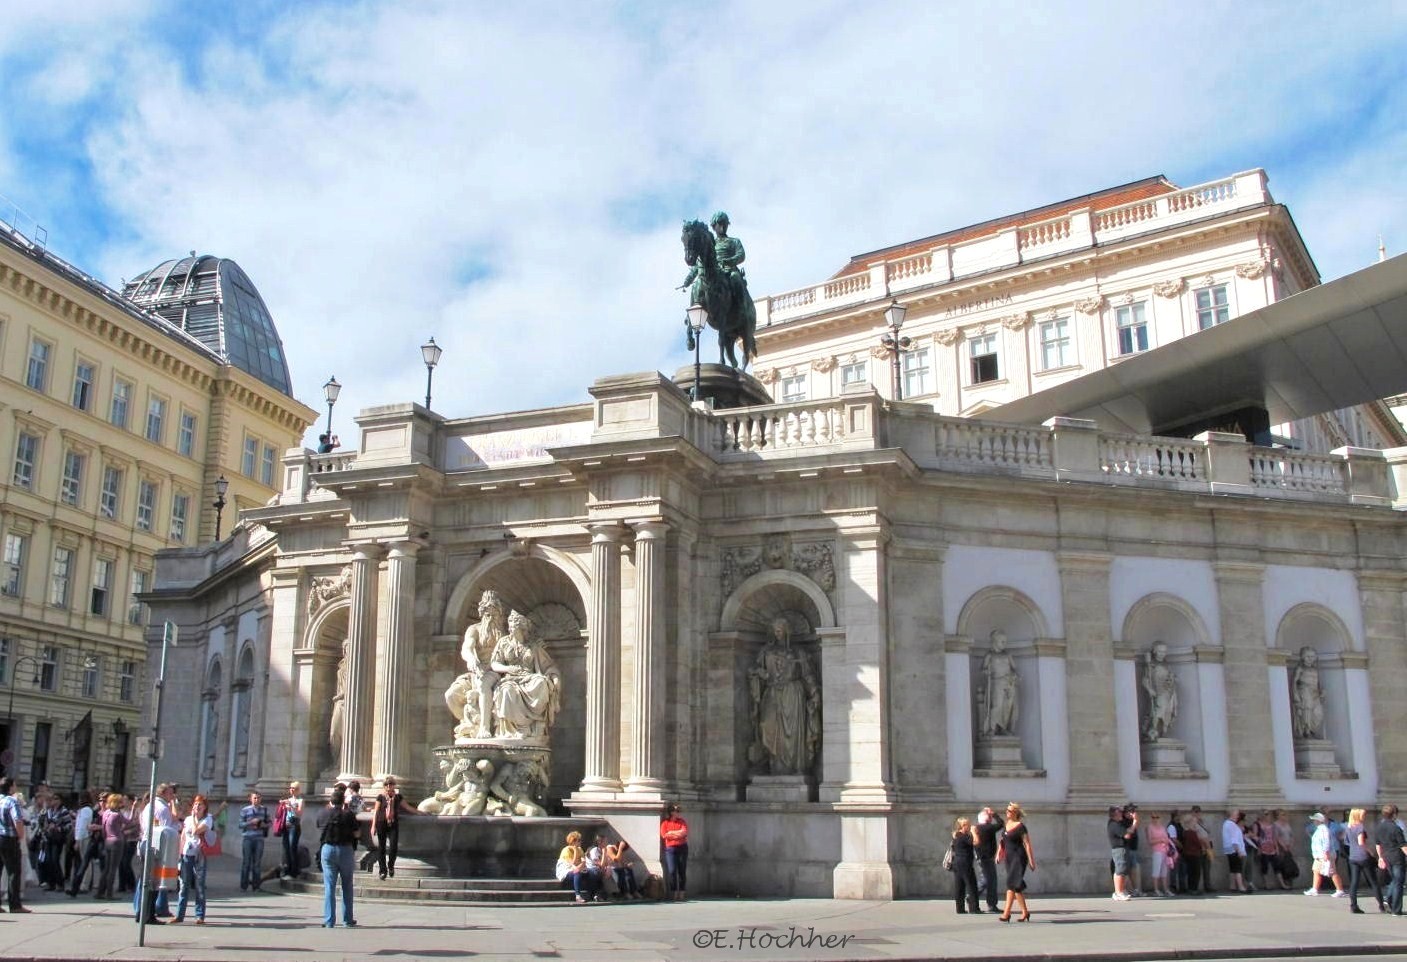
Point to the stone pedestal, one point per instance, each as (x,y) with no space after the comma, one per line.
(1314,758)
(722,385)
(491,776)
(998,755)
(780,788)
(1165,758)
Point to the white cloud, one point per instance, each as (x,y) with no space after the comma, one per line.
(511,180)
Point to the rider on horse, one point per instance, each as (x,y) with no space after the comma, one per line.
(730,254)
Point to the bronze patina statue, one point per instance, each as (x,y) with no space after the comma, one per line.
(717,283)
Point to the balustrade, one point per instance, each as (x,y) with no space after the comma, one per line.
(1132,456)
(1292,471)
(961,441)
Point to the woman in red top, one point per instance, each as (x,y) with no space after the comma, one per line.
(674,831)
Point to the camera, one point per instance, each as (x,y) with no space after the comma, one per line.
(1130,808)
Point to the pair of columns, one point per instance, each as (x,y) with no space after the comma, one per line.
(376,699)
(603,661)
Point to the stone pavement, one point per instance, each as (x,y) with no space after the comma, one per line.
(272,925)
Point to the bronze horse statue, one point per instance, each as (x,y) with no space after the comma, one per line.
(723,294)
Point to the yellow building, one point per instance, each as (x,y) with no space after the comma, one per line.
(118,414)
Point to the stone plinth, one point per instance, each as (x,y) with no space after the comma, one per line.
(725,387)
(491,776)
(464,846)
(1315,758)
(780,788)
(998,755)
(1165,758)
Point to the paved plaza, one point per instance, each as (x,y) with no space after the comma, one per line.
(274,925)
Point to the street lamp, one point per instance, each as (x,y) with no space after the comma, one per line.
(431,352)
(894,317)
(10,713)
(221,486)
(696,317)
(330,390)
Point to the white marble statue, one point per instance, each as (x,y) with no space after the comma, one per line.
(1160,684)
(470,697)
(529,689)
(1307,696)
(786,706)
(338,715)
(1001,688)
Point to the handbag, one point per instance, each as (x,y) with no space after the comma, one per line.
(208,849)
(280,819)
(948,859)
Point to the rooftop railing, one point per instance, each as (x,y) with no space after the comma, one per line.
(946,263)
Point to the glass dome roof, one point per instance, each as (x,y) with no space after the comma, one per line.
(213,300)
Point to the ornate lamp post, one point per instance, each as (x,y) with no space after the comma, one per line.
(330,390)
(894,317)
(431,352)
(696,317)
(10,713)
(221,486)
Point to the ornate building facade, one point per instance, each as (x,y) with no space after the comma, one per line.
(117,421)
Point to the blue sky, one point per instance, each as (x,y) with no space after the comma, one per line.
(511,178)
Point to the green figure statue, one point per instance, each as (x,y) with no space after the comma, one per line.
(717,282)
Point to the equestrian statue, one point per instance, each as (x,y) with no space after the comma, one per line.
(717,283)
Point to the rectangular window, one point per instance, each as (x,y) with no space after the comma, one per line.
(146,504)
(121,401)
(83,385)
(111,498)
(127,682)
(185,443)
(1055,343)
(156,419)
(49,668)
(71,488)
(141,580)
(266,465)
(982,352)
(1133,328)
(12,575)
(4,667)
(26,457)
(92,676)
(60,577)
(856,373)
(37,373)
(1212,307)
(39,765)
(794,388)
(917,372)
(251,456)
(180,507)
(102,586)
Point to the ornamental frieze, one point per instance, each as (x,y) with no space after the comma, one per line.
(324,591)
(823,364)
(1168,288)
(813,559)
(1089,305)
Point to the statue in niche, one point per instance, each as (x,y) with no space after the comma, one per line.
(1307,696)
(528,692)
(786,706)
(470,697)
(338,714)
(1001,687)
(1160,684)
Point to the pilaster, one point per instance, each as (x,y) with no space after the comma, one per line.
(389,756)
(1245,668)
(361,663)
(603,663)
(647,736)
(1092,722)
(1384,627)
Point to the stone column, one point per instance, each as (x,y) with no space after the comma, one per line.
(361,664)
(1247,679)
(603,663)
(1380,593)
(648,735)
(1089,665)
(284,744)
(390,722)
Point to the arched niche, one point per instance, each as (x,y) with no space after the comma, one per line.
(553,590)
(327,636)
(210,716)
(1311,625)
(746,623)
(1002,608)
(1165,617)
(242,711)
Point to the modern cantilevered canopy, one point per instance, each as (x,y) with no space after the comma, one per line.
(1329,347)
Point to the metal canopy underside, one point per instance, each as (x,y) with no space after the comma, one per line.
(1330,347)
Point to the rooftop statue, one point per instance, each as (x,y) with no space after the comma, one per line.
(716,282)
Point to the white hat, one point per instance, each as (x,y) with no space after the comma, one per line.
(1317,817)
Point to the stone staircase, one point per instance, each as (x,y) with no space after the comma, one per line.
(449,891)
